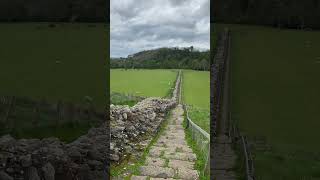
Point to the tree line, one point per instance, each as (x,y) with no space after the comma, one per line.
(54,10)
(165,58)
(295,14)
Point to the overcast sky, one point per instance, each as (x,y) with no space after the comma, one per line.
(147,24)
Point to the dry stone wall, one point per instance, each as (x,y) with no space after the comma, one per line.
(132,128)
(50,159)
(85,158)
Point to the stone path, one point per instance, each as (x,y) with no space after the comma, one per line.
(223,156)
(170,157)
(224,159)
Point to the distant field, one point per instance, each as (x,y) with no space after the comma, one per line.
(147,83)
(65,62)
(275,94)
(196,92)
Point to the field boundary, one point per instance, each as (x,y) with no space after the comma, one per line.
(60,112)
(221,100)
(198,135)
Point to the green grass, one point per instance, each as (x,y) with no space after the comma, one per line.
(122,99)
(147,83)
(201,117)
(29,51)
(29,67)
(66,132)
(196,94)
(201,160)
(275,94)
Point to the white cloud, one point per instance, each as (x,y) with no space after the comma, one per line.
(147,24)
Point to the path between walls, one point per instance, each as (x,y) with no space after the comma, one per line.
(170,157)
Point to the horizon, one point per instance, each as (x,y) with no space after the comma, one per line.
(180,48)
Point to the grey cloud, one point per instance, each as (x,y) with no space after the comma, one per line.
(139,25)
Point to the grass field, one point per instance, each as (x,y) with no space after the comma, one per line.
(196,92)
(65,62)
(147,83)
(275,94)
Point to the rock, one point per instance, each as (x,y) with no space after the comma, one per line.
(6,139)
(5,176)
(10,170)
(48,171)
(132,124)
(114,157)
(32,173)
(95,164)
(95,154)
(125,116)
(74,153)
(26,160)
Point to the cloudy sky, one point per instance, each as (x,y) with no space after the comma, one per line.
(148,24)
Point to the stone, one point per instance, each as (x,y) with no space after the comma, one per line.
(125,116)
(139,177)
(155,161)
(7,139)
(181,156)
(5,176)
(154,171)
(32,173)
(114,157)
(95,164)
(178,164)
(95,154)
(74,153)
(26,160)
(10,170)
(48,171)
(188,174)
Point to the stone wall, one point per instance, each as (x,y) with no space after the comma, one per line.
(85,158)
(133,128)
(50,159)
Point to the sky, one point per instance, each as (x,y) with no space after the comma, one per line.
(137,25)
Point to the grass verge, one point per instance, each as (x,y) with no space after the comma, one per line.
(124,99)
(201,117)
(201,160)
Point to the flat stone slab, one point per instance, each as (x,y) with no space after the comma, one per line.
(139,177)
(159,172)
(180,156)
(170,158)
(155,161)
(224,174)
(156,151)
(188,174)
(178,164)
(224,159)
(163,179)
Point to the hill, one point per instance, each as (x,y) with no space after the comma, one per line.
(165,58)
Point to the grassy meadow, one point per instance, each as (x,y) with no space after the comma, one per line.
(55,61)
(65,62)
(275,94)
(196,94)
(146,83)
